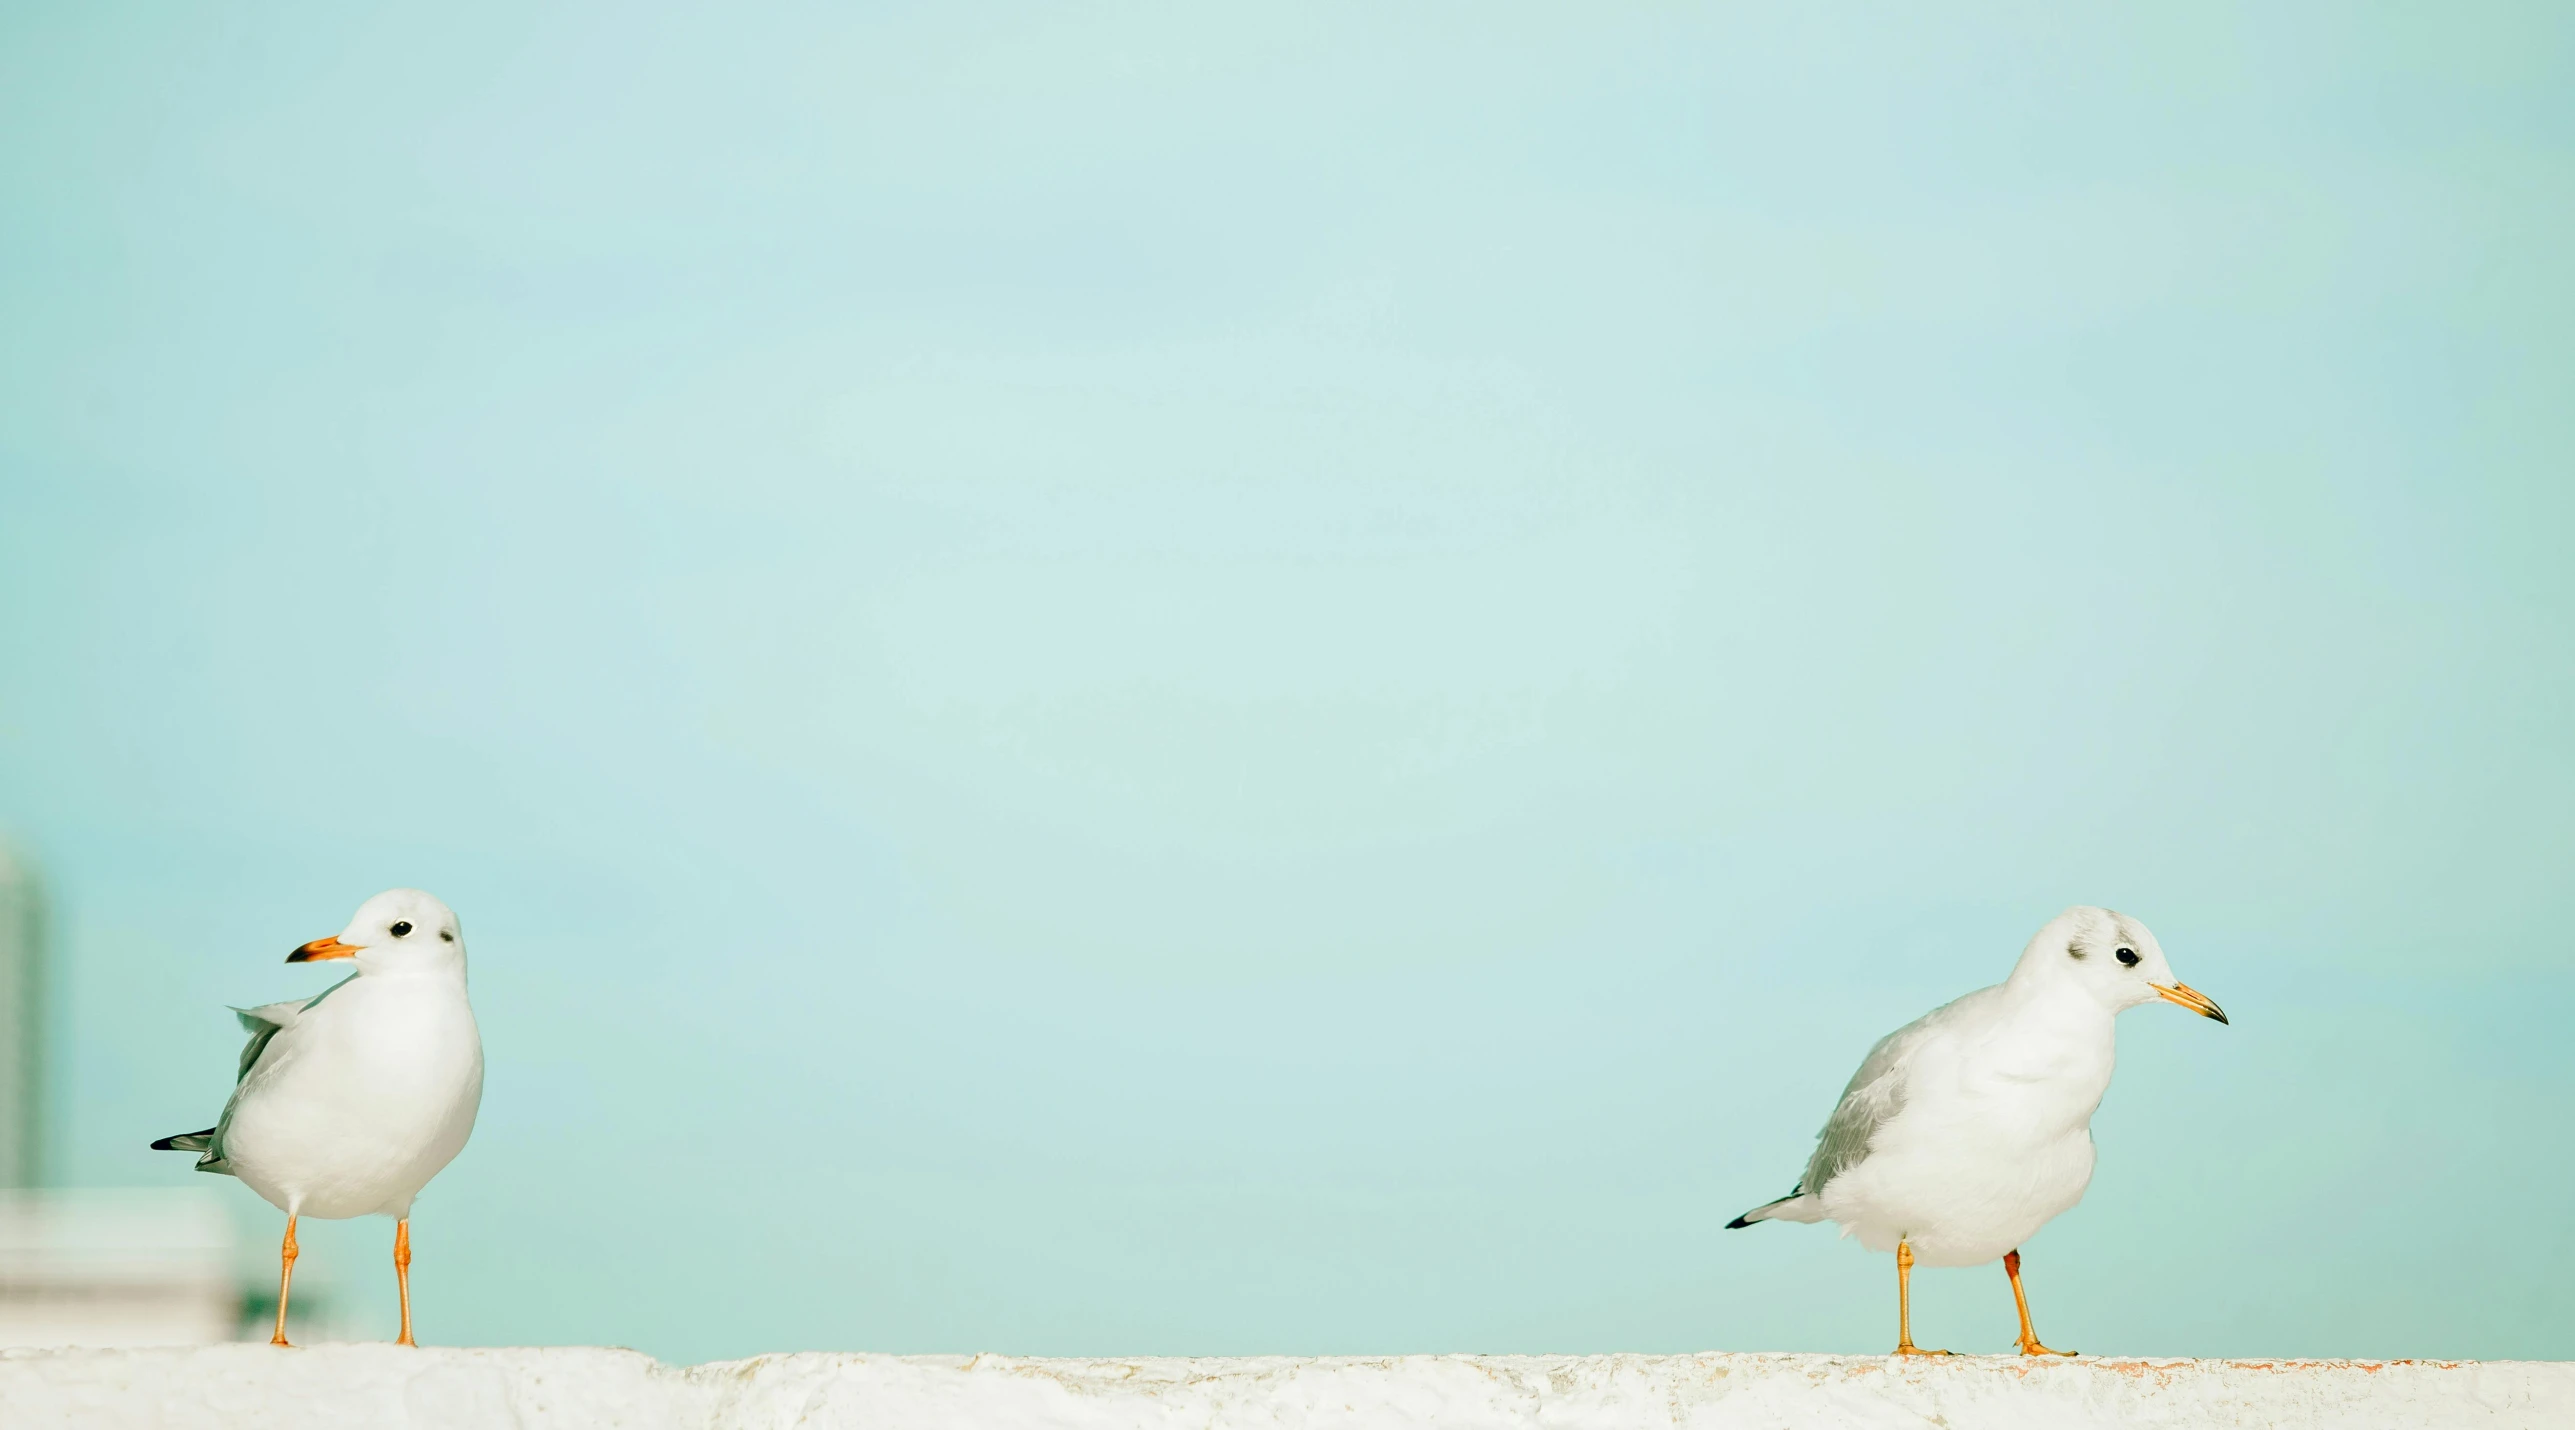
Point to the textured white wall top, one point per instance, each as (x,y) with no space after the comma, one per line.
(377,1385)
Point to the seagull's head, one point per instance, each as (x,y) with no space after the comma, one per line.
(2111,957)
(397,931)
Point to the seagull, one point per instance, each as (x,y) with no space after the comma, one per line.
(347,1103)
(1968,1129)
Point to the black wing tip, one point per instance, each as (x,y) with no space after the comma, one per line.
(171,1142)
(1755,1215)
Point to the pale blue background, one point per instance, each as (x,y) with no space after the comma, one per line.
(1176,678)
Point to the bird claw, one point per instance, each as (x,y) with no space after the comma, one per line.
(2033,1348)
(1910,1349)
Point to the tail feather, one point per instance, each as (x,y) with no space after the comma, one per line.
(1783,1209)
(209,1159)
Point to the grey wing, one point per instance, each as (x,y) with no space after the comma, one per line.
(1876,1094)
(269,1019)
(263,1023)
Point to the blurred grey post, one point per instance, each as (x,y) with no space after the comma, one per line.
(96,1266)
(22,1020)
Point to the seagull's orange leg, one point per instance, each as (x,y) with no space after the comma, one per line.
(402,1274)
(285,1278)
(2029,1339)
(1904,1345)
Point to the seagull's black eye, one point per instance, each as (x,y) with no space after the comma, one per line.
(445,937)
(2128,956)
(400,928)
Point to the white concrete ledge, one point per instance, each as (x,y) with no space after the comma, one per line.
(539,1389)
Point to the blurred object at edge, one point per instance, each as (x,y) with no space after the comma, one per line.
(115,1266)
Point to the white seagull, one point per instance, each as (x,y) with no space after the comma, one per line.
(347,1103)
(1969,1128)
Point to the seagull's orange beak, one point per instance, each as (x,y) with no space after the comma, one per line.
(321,948)
(2190,998)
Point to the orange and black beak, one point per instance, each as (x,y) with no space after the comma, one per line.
(319,949)
(2190,998)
